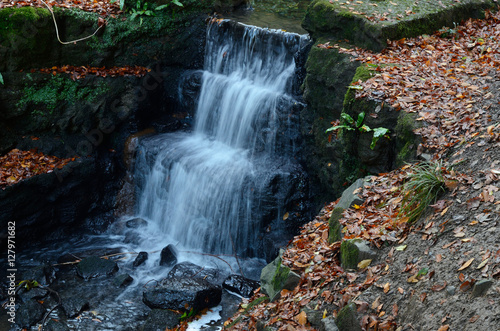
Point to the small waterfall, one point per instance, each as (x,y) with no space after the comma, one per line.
(216,188)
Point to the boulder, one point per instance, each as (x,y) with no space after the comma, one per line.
(191,270)
(29,313)
(481,287)
(276,277)
(183,294)
(353,251)
(350,196)
(168,256)
(94,266)
(161,319)
(347,320)
(136,223)
(335,228)
(240,285)
(43,274)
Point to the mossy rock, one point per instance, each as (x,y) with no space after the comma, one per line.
(406,139)
(335,228)
(347,320)
(353,251)
(337,21)
(276,277)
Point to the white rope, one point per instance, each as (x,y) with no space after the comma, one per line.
(57,30)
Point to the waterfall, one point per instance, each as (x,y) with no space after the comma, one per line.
(212,189)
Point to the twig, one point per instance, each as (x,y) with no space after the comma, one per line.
(53,308)
(57,30)
(236,255)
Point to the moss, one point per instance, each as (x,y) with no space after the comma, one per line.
(335,228)
(280,277)
(57,90)
(349,254)
(346,319)
(406,140)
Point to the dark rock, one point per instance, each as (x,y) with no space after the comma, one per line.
(140,259)
(175,293)
(161,319)
(73,305)
(240,285)
(136,223)
(315,317)
(34,293)
(132,237)
(94,266)
(29,313)
(43,274)
(349,197)
(191,270)
(481,287)
(168,256)
(123,280)
(53,325)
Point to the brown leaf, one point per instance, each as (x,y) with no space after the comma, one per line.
(437,287)
(444,327)
(466,264)
(301,318)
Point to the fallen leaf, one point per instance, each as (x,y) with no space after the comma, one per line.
(387,287)
(363,264)
(301,318)
(466,264)
(444,327)
(482,264)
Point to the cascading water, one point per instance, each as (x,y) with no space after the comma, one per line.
(215,189)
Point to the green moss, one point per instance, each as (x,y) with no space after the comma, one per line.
(280,277)
(406,140)
(346,319)
(335,228)
(349,254)
(57,90)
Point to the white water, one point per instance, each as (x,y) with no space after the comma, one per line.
(203,189)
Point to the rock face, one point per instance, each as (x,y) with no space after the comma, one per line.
(176,293)
(333,19)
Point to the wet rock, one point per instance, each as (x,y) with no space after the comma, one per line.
(168,256)
(191,270)
(161,319)
(481,287)
(132,237)
(32,294)
(353,251)
(53,325)
(94,266)
(240,285)
(136,223)
(123,280)
(177,293)
(73,305)
(29,313)
(276,277)
(140,259)
(347,319)
(43,274)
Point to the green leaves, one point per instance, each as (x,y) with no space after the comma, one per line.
(362,128)
(1,79)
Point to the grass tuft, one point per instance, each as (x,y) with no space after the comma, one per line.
(424,186)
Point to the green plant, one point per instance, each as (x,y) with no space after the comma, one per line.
(187,314)
(143,8)
(1,79)
(423,187)
(359,126)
